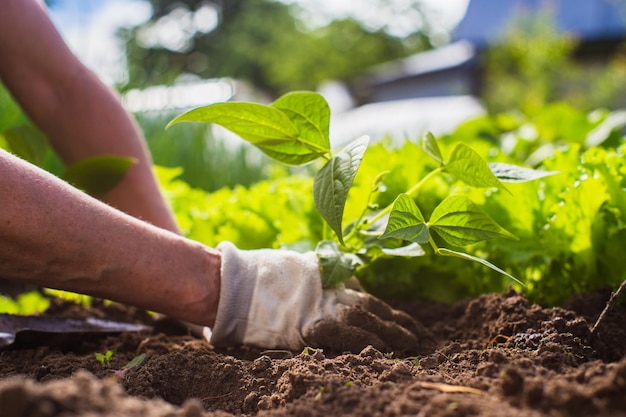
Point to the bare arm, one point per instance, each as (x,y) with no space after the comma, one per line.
(57,237)
(79,114)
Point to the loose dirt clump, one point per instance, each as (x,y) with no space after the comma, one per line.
(495,355)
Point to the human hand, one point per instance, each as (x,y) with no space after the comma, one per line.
(274,299)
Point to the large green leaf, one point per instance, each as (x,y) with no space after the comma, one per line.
(460,222)
(98,174)
(406,221)
(256,123)
(266,127)
(310,113)
(293,130)
(468,166)
(291,153)
(336,267)
(332,183)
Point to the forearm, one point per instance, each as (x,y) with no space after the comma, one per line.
(81,116)
(57,237)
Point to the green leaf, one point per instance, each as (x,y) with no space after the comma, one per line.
(310,113)
(98,174)
(136,361)
(406,221)
(268,128)
(256,123)
(430,146)
(413,250)
(291,153)
(27,142)
(105,358)
(448,252)
(336,267)
(460,222)
(467,165)
(514,173)
(332,183)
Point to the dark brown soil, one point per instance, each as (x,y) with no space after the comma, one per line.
(496,355)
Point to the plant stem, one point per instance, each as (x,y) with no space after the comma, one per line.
(419,185)
(411,191)
(615,296)
(433,245)
(358,223)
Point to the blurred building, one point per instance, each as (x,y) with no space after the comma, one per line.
(438,89)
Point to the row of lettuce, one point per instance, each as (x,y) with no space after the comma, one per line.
(571,226)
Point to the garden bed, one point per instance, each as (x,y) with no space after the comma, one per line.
(496,355)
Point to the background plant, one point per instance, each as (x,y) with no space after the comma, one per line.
(534,64)
(208,162)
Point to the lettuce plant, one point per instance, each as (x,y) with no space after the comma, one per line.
(294,130)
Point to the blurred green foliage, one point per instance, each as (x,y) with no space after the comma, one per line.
(28,303)
(208,162)
(265,43)
(535,64)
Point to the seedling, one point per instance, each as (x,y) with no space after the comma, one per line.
(320,391)
(105,358)
(295,130)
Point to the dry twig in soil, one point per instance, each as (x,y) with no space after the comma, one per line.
(609,306)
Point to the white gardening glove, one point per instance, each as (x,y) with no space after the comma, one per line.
(274,299)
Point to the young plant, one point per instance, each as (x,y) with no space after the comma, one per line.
(105,358)
(295,130)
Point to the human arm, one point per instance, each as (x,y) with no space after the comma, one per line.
(55,236)
(78,113)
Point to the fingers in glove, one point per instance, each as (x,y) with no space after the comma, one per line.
(377,307)
(339,336)
(386,312)
(394,335)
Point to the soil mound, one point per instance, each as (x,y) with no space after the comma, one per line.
(495,355)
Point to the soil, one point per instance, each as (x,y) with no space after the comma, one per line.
(496,355)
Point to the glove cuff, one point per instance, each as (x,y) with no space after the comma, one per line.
(235,297)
